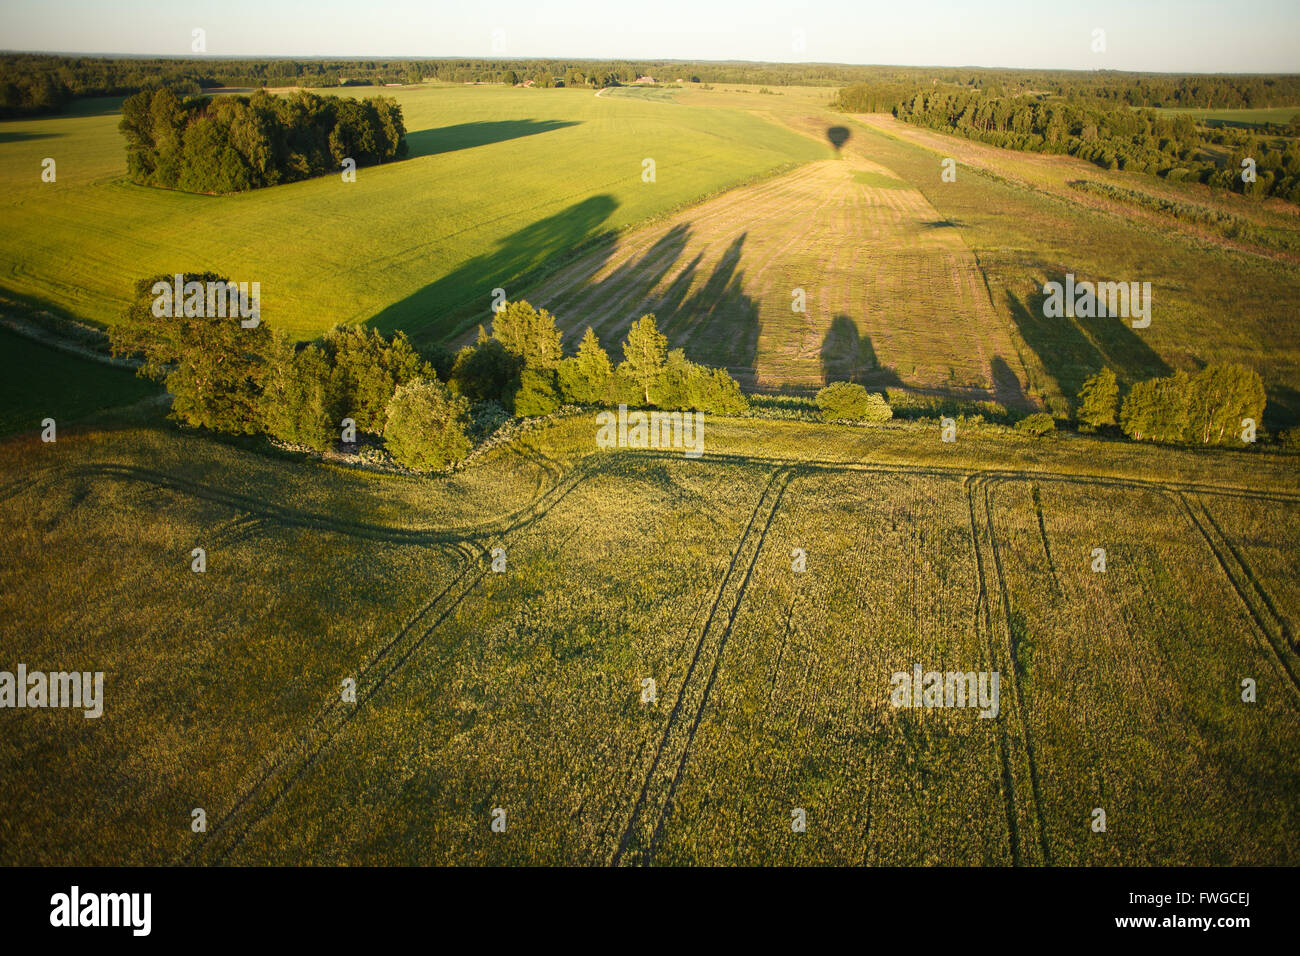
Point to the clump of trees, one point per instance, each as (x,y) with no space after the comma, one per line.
(228,378)
(353,381)
(1207,408)
(522,366)
(850,402)
(233,143)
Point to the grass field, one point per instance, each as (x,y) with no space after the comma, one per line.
(1252,117)
(891,295)
(1211,301)
(521,690)
(499,182)
(41,382)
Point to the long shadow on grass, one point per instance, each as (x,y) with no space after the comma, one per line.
(716,324)
(848,356)
(447,139)
(453,303)
(1071,349)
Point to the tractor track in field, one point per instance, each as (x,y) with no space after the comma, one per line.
(284,770)
(1243,571)
(972,484)
(1021,708)
(684,720)
(654,805)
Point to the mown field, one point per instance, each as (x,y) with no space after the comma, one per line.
(1212,300)
(499,183)
(520,690)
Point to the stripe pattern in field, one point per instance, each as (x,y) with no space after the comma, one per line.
(893,296)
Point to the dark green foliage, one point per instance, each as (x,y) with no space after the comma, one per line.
(367,369)
(1109,136)
(486,372)
(427,426)
(32,94)
(213,367)
(686,386)
(645,352)
(1040,423)
(537,393)
(232,143)
(300,402)
(586,377)
(1098,400)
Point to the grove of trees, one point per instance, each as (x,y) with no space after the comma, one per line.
(232,143)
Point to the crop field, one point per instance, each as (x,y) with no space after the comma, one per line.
(523,690)
(722,277)
(1210,301)
(536,173)
(1247,117)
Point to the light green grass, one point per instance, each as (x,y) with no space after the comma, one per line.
(500,182)
(1254,117)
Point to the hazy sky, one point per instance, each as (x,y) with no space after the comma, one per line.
(1245,36)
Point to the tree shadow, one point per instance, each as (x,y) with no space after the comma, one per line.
(1007,388)
(848,356)
(1072,349)
(447,306)
(20,136)
(719,318)
(447,139)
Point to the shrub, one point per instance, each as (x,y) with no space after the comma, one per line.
(1040,423)
(849,402)
(427,426)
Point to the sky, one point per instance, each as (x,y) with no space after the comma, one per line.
(1238,36)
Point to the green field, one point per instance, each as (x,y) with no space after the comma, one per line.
(41,382)
(499,183)
(1253,117)
(521,690)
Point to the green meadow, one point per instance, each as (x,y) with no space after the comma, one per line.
(499,183)
(41,382)
(1255,117)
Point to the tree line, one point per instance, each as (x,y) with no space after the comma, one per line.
(1219,405)
(229,144)
(246,381)
(1113,138)
(37,83)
